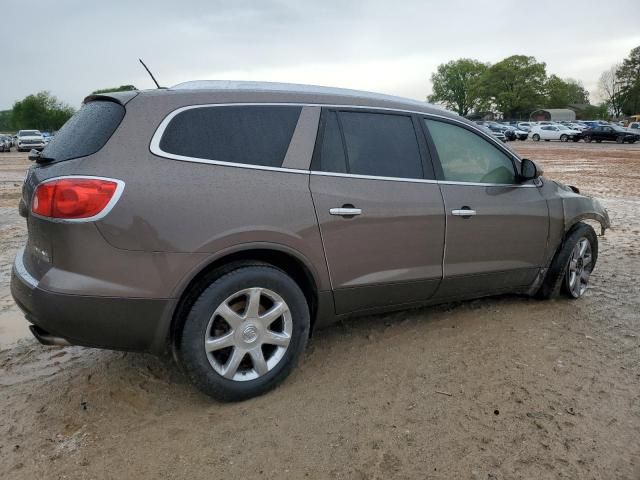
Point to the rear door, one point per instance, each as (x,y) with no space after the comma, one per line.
(379,208)
(497,227)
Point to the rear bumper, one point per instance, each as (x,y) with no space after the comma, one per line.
(117,323)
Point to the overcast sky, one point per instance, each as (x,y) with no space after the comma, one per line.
(72,47)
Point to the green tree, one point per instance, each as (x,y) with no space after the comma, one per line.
(41,111)
(629,77)
(561,93)
(595,112)
(516,85)
(5,120)
(610,89)
(121,88)
(457,85)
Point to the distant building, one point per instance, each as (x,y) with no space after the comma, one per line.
(553,115)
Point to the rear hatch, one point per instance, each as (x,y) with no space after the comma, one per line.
(82,136)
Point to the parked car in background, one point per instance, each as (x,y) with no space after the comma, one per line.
(497,133)
(508,132)
(30,139)
(5,143)
(520,133)
(166,232)
(575,126)
(526,126)
(554,132)
(634,127)
(612,133)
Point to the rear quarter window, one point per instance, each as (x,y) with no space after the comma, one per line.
(86,132)
(253,135)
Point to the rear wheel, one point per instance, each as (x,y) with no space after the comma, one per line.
(620,139)
(564,138)
(572,265)
(245,333)
(587,138)
(536,137)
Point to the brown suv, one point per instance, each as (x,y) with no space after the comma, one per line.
(225,221)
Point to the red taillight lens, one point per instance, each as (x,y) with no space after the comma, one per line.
(73,198)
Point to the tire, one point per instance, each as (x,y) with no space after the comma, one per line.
(233,295)
(620,140)
(564,138)
(576,139)
(535,137)
(598,141)
(559,275)
(587,139)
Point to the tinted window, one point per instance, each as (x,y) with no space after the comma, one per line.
(332,156)
(255,135)
(467,157)
(381,144)
(86,132)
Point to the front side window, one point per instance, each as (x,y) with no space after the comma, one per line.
(254,135)
(467,157)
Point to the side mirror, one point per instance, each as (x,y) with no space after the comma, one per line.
(529,170)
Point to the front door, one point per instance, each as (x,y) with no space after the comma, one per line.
(381,220)
(497,227)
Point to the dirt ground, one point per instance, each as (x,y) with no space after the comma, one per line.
(498,388)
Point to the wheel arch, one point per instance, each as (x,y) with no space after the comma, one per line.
(289,260)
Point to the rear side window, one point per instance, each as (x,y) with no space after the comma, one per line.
(254,135)
(376,144)
(381,144)
(332,152)
(86,132)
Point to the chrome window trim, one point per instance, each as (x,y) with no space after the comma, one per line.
(105,211)
(22,271)
(154,146)
(420,180)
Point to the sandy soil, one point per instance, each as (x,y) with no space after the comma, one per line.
(497,388)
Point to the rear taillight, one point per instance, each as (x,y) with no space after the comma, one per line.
(76,198)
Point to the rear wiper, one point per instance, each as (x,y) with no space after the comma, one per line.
(36,156)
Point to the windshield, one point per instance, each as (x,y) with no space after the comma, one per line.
(28,133)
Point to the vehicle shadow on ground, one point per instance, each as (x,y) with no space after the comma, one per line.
(140,379)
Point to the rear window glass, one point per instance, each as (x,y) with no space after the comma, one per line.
(86,132)
(254,135)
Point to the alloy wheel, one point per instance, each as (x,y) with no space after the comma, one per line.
(579,268)
(248,334)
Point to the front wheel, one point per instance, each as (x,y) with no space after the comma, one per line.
(587,139)
(536,137)
(245,333)
(573,264)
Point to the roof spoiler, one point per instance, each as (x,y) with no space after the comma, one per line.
(121,98)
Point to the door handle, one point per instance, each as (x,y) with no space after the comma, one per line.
(465,212)
(345,211)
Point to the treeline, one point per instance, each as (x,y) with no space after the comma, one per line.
(43,111)
(518,85)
